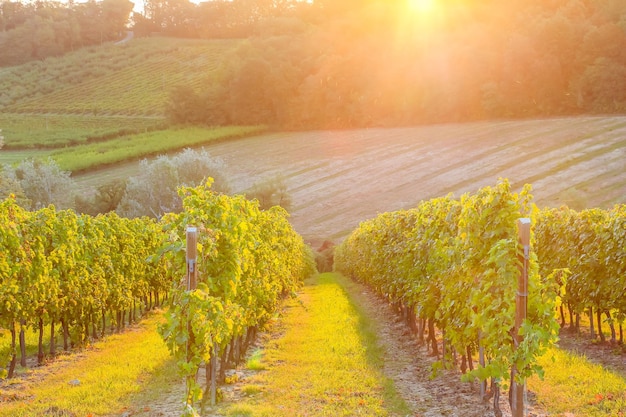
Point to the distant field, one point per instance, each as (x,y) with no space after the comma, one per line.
(135,147)
(339,178)
(54,131)
(130,79)
(98,155)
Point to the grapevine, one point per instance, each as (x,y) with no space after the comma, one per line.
(454,264)
(247,260)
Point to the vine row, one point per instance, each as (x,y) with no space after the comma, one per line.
(75,274)
(247,260)
(590,247)
(453,264)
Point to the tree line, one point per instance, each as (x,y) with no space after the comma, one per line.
(359,63)
(37,30)
(378,65)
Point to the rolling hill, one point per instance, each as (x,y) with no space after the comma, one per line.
(131,79)
(336,178)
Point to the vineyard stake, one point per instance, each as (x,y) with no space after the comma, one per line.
(521,307)
(192,249)
(214,375)
(192,253)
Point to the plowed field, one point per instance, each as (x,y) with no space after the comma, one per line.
(339,178)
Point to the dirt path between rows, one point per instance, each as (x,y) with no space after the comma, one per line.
(410,367)
(405,362)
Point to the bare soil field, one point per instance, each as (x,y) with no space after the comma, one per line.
(339,178)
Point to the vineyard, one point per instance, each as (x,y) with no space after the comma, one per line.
(133,79)
(448,267)
(105,105)
(453,265)
(594,255)
(74,274)
(80,275)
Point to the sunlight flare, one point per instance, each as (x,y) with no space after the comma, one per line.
(422,6)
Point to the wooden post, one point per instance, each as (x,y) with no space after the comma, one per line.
(192,249)
(521,305)
(214,376)
(192,254)
(481,362)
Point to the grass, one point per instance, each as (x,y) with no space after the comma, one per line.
(128,148)
(255,362)
(573,386)
(32,344)
(123,369)
(15,157)
(55,131)
(326,363)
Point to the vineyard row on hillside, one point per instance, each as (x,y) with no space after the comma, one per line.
(247,260)
(138,77)
(591,245)
(453,264)
(86,273)
(82,272)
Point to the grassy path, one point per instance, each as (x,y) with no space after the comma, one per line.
(324,361)
(102,380)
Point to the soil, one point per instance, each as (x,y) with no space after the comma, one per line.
(410,367)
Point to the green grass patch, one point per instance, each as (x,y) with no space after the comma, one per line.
(128,148)
(326,363)
(15,157)
(133,367)
(576,386)
(255,361)
(251,389)
(55,131)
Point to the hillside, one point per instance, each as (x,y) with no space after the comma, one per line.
(132,79)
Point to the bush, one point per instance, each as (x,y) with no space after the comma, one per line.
(271,192)
(153,192)
(43,183)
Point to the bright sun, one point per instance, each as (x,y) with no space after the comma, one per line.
(422,6)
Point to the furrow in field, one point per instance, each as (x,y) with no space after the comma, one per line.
(512,161)
(338,178)
(534,167)
(420,180)
(585,170)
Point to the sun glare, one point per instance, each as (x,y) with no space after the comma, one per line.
(422,6)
